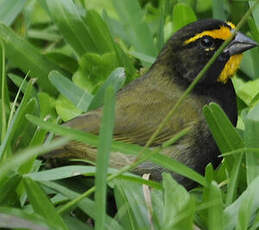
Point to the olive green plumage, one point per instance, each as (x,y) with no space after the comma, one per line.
(143,104)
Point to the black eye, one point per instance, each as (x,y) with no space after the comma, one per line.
(206,42)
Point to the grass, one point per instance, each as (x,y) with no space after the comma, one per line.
(60,58)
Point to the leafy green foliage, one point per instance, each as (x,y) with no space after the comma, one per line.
(74,52)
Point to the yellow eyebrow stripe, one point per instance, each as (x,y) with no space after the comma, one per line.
(222,33)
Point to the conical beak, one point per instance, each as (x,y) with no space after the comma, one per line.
(240,44)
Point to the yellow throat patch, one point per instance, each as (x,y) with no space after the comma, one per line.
(222,33)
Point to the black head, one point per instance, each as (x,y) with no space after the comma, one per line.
(190,48)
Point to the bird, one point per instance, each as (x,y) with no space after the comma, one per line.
(142,104)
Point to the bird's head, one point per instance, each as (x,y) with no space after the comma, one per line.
(190,48)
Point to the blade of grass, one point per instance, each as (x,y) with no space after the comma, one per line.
(103,153)
(3,84)
(25,56)
(86,205)
(116,79)
(215,212)
(13,125)
(42,205)
(19,158)
(80,98)
(160,34)
(15,218)
(10,9)
(232,212)
(141,38)
(228,139)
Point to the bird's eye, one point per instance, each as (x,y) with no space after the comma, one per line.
(206,42)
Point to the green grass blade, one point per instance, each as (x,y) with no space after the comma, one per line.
(182,15)
(3,92)
(80,98)
(251,135)
(10,9)
(140,36)
(84,31)
(116,79)
(164,7)
(178,211)
(24,105)
(42,205)
(132,210)
(215,212)
(25,56)
(227,139)
(231,212)
(86,205)
(218,10)
(15,218)
(103,153)
(8,189)
(16,161)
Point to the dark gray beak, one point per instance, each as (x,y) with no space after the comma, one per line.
(240,44)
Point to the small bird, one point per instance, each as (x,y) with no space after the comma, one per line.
(143,104)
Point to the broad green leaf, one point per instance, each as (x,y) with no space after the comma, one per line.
(75,223)
(182,15)
(232,212)
(178,211)
(66,109)
(35,13)
(143,57)
(100,5)
(244,214)
(249,64)
(64,61)
(227,139)
(132,19)
(47,105)
(215,212)
(222,130)
(203,5)
(8,189)
(10,9)
(21,53)
(255,12)
(80,98)
(248,91)
(94,70)
(84,31)
(42,205)
(251,135)
(132,209)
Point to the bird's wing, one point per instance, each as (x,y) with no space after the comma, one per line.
(139,111)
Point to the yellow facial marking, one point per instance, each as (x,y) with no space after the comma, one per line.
(231,25)
(222,33)
(230,68)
